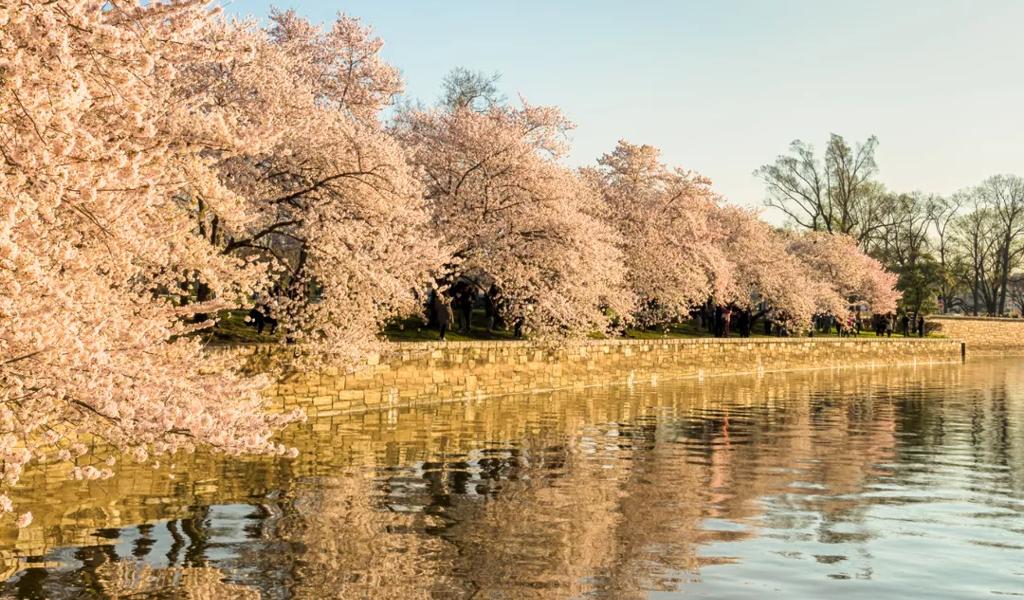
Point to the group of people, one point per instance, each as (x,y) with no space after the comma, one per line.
(725,320)
(851,325)
(882,324)
(455,308)
(885,325)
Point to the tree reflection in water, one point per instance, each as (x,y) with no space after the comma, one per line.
(725,487)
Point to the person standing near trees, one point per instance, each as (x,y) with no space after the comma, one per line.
(490,307)
(517,328)
(466,308)
(920,326)
(442,310)
(462,306)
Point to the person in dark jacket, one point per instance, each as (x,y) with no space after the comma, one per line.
(458,302)
(466,303)
(491,307)
(259,315)
(920,326)
(905,325)
(442,310)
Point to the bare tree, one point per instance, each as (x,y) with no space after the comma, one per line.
(902,244)
(976,242)
(476,90)
(941,214)
(904,230)
(1003,195)
(836,194)
(1015,291)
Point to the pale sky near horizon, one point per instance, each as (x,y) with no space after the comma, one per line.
(722,87)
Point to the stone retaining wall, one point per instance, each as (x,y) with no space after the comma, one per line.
(421,373)
(983,335)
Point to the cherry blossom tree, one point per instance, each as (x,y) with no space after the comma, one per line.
(669,241)
(341,65)
(512,215)
(684,248)
(334,207)
(101,158)
(767,280)
(835,261)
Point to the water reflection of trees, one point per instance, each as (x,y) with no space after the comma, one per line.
(603,493)
(130,579)
(982,424)
(100,573)
(613,507)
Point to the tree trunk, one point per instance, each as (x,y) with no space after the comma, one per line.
(974,294)
(1004,275)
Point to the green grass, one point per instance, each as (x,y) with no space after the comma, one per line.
(413,329)
(689,329)
(231,328)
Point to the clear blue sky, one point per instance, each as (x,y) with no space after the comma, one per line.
(724,86)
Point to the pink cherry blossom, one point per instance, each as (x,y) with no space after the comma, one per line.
(509,213)
(665,220)
(104,152)
(332,208)
(836,262)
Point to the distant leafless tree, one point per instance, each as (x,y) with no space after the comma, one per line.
(476,90)
(1003,195)
(976,244)
(1015,291)
(836,193)
(941,213)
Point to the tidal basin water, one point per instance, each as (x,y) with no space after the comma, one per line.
(874,483)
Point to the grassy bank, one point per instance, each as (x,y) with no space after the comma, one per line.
(232,328)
